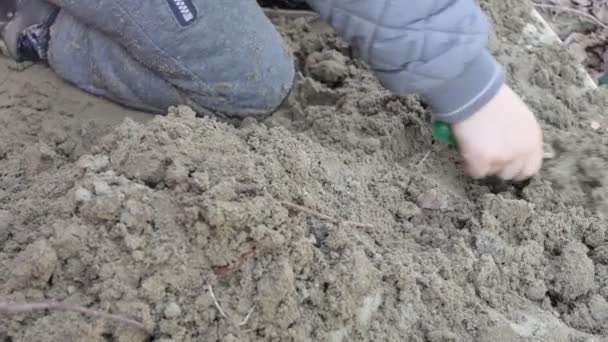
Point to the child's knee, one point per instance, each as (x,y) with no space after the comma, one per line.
(230,59)
(243,68)
(248,87)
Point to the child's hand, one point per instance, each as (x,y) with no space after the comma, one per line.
(503,139)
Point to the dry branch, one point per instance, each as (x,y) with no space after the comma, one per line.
(572,10)
(14,308)
(318,215)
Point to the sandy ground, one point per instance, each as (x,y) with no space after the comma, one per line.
(152,218)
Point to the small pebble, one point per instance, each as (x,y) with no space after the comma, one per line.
(172,310)
(598,308)
(408,210)
(82,195)
(93,163)
(184,112)
(548,151)
(536,290)
(248,122)
(595,125)
(101,187)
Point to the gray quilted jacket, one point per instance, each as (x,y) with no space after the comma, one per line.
(225,55)
(435,48)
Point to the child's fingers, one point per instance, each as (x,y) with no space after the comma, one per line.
(477,168)
(512,169)
(532,167)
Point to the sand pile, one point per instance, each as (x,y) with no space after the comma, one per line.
(338,218)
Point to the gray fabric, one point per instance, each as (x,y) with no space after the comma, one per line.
(100,66)
(434,48)
(230,59)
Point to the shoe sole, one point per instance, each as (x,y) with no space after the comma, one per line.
(284,4)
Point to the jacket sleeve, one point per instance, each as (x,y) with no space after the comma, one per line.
(434,48)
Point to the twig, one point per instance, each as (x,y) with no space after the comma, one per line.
(223,271)
(217,304)
(318,215)
(221,311)
(424,158)
(246,319)
(572,10)
(10,308)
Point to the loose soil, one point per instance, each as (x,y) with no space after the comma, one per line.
(153,218)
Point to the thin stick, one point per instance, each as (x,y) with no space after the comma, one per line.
(424,158)
(318,215)
(572,10)
(217,304)
(8,308)
(223,271)
(246,319)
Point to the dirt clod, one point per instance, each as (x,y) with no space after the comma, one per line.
(574,275)
(34,266)
(172,310)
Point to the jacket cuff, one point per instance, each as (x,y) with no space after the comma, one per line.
(460,98)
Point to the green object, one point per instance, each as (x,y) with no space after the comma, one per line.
(442,131)
(603,80)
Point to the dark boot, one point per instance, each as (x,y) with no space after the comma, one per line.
(24,28)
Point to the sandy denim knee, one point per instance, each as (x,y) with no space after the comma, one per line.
(256,97)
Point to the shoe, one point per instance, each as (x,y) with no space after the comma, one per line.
(24,28)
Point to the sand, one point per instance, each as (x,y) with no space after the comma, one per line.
(337,218)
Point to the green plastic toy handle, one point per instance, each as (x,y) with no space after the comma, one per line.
(443,132)
(603,80)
